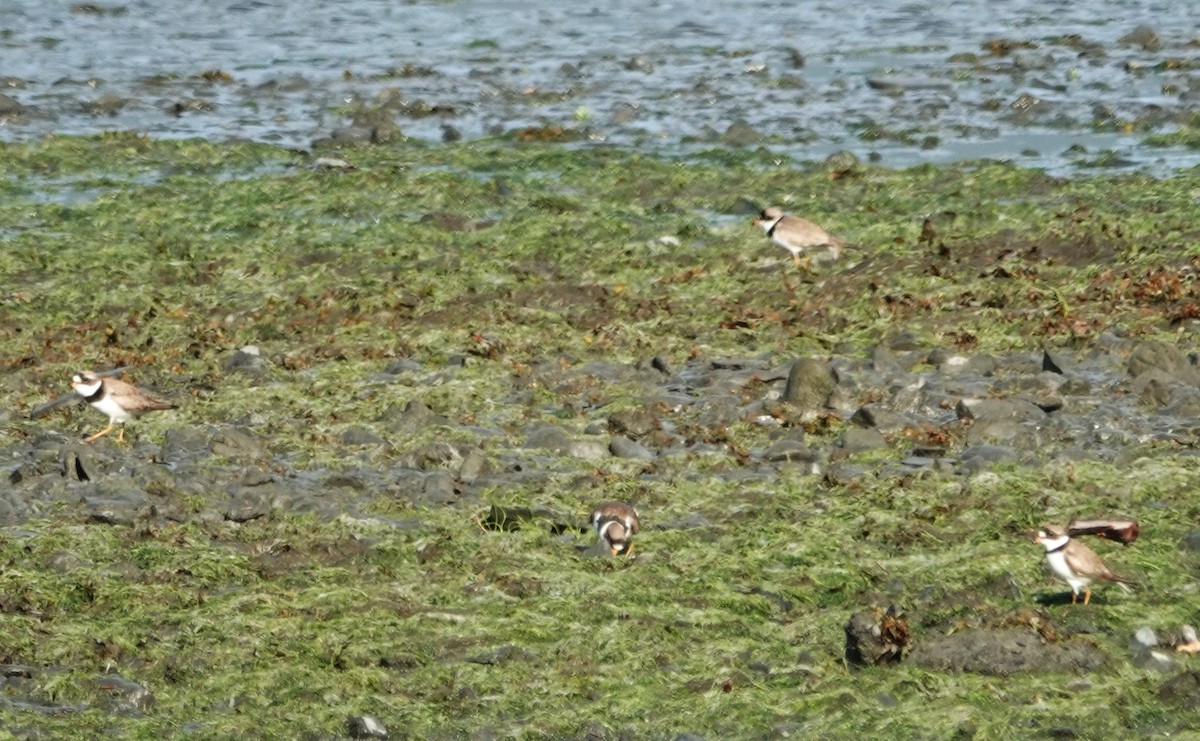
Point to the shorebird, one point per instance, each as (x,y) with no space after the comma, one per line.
(119,400)
(616,523)
(797,235)
(1075,563)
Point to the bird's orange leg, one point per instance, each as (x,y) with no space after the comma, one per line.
(121,435)
(100,434)
(1087,595)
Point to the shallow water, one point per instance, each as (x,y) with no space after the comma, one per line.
(668,76)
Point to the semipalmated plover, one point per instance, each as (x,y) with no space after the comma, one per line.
(616,523)
(796,235)
(119,400)
(1075,563)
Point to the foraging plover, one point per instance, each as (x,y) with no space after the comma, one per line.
(119,400)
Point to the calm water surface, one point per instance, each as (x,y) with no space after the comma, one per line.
(902,82)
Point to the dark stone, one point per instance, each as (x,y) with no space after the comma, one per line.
(809,384)
(1142,36)
(9,106)
(635,423)
(361,436)
(402,365)
(1182,690)
(1191,541)
(857,440)
(413,417)
(237,444)
(1055,361)
(247,360)
(514,518)
(547,437)
(112,511)
(791,450)
(988,454)
(1153,355)
(248,505)
(879,417)
(80,462)
(123,697)
(884,361)
(999,409)
(474,465)
(623,447)
(741,134)
(182,442)
(431,456)
(364,726)
(1004,652)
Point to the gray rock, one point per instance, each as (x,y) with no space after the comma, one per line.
(1182,691)
(1142,36)
(623,447)
(364,726)
(1191,542)
(741,134)
(1055,361)
(184,442)
(474,465)
(634,423)
(412,418)
(237,444)
(719,411)
(1153,355)
(809,384)
(791,450)
(988,454)
(547,437)
(432,456)
(879,417)
(1155,659)
(80,462)
(884,361)
(996,409)
(359,435)
(247,505)
(402,365)
(9,106)
(248,360)
(588,450)
(856,440)
(123,697)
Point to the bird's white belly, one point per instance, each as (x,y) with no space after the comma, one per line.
(795,249)
(114,410)
(1058,564)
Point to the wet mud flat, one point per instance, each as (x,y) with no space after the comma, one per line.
(404,377)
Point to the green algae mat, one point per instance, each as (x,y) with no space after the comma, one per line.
(499,257)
